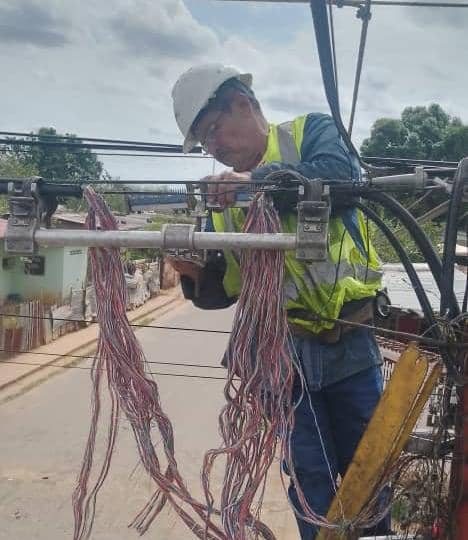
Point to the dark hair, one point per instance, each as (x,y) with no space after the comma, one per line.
(221,101)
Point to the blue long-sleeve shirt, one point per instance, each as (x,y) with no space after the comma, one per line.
(323,155)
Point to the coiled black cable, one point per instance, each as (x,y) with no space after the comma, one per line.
(420,239)
(418,288)
(450,241)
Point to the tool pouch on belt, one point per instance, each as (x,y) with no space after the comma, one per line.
(363,313)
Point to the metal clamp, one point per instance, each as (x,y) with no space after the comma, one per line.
(178,235)
(313,215)
(25,216)
(417,180)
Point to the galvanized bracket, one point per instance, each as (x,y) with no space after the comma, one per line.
(313,215)
(178,235)
(25,216)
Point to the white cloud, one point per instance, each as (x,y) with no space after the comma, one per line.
(163,30)
(29,22)
(107,69)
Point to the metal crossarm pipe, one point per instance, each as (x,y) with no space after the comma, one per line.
(165,239)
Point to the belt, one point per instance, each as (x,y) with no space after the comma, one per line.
(357,312)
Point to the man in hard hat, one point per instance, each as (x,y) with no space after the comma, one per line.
(214,105)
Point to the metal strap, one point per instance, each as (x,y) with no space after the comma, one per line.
(287,145)
(228,224)
(229,227)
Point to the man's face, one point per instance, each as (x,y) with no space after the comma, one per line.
(233,137)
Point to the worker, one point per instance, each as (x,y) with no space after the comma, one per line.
(214,105)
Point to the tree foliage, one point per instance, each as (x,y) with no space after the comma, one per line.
(12,167)
(63,163)
(420,133)
(57,162)
(434,232)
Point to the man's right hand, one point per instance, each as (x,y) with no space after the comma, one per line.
(185,268)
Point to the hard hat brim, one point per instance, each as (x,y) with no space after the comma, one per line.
(191,141)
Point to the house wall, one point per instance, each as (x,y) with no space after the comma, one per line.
(64,269)
(5,276)
(74,269)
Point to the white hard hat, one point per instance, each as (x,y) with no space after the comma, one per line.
(194,89)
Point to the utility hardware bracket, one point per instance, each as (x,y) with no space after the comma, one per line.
(313,216)
(25,216)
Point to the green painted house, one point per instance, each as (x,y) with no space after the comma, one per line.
(50,275)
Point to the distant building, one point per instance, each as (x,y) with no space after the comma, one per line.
(49,275)
(164,202)
(77,220)
(401,291)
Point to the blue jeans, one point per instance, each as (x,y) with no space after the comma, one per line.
(342,412)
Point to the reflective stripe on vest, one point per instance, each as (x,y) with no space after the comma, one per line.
(319,288)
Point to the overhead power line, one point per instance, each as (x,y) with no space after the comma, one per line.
(89,369)
(119,154)
(79,145)
(71,139)
(182,328)
(359,3)
(91,357)
(431,342)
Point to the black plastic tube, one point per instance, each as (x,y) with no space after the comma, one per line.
(450,241)
(421,240)
(408,265)
(418,288)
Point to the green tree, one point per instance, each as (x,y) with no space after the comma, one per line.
(454,144)
(12,167)
(434,232)
(58,159)
(420,133)
(57,162)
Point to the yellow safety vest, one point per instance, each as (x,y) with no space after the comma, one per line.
(320,288)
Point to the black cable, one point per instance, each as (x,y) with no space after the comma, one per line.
(206,330)
(436,166)
(450,241)
(405,335)
(408,161)
(322,35)
(465,296)
(418,288)
(89,369)
(333,44)
(419,237)
(87,357)
(408,265)
(364,13)
(172,156)
(401,3)
(67,138)
(92,181)
(167,148)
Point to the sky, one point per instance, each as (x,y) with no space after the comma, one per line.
(106,69)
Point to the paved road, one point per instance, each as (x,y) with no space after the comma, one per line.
(43,432)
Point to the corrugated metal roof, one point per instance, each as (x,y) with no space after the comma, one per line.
(126,223)
(3,226)
(401,291)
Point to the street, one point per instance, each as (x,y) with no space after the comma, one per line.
(44,430)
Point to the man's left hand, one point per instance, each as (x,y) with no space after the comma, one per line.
(224,195)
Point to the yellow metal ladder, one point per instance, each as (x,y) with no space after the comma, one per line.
(393,420)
